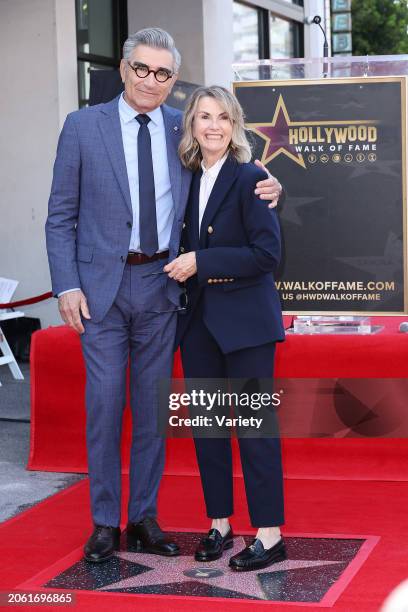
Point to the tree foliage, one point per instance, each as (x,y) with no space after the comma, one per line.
(380,27)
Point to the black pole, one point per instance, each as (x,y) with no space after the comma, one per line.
(317,20)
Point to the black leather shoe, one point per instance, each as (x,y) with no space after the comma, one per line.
(255,556)
(147,537)
(102,543)
(213,545)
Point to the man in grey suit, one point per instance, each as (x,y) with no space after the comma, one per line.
(116,211)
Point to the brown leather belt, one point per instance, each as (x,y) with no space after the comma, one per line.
(136,259)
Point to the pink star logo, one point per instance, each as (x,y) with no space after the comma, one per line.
(276,136)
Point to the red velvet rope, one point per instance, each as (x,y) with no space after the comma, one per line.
(33,300)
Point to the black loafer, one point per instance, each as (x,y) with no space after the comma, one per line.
(147,537)
(213,545)
(102,543)
(255,556)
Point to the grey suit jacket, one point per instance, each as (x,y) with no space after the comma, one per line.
(89,211)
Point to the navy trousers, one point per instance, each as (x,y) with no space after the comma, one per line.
(137,328)
(260,457)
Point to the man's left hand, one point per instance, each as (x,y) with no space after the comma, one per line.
(182,267)
(270,188)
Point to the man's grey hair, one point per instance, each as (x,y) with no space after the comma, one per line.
(152,37)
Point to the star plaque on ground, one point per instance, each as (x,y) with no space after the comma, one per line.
(313,566)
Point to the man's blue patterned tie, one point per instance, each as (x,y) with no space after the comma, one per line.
(149,242)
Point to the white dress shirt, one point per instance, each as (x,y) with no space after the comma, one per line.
(206,185)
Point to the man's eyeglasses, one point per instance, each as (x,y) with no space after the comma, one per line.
(142,71)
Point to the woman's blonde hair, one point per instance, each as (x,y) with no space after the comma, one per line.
(189,150)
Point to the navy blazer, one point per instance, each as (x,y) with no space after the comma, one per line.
(238,252)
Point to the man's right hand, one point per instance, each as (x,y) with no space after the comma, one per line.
(71,305)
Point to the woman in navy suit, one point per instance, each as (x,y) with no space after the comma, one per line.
(229,254)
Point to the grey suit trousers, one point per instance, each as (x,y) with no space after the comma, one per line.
(136,327)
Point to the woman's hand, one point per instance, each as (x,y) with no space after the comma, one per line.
(268,189)
(182,267)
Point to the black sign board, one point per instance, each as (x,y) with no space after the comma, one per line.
(339,148)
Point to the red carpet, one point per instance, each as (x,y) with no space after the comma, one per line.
(341,486)
(58,412)
(45,534)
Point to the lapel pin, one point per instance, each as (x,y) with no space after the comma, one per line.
(175,128)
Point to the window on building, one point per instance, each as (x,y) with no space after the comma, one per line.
(261,34)
(245,32)
(101,30)
(284,37)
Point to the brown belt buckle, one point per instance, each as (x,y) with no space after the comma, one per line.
(135,258)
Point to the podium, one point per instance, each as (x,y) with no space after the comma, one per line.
(334,132)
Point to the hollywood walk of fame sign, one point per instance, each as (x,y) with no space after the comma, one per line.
(338,146)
